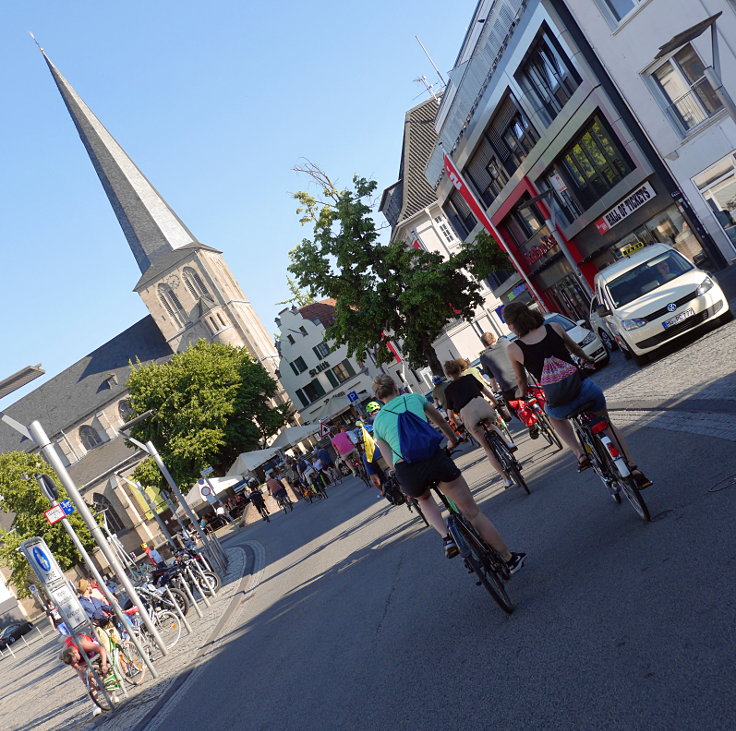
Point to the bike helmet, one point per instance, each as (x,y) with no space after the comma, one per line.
(437,380)
(372,406)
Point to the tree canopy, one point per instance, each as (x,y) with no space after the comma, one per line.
(383,290)
(210,403)
(20,495)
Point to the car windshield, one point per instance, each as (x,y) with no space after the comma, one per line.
(7,631)
(646,277)
(560,320)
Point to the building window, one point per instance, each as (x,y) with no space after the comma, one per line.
(222,320)
(89,437)
(441,222)
(690,97)
(332,378)
(290,338)
(298,366)
(548,77)
(300,395)
(314,390)
(322,350)
(194,283)
(302,330)
(593,164)
(486,172)
(621,8)
(343,371)
(125,410)
(511,134)
(460,216)
(104,506)
(171,304)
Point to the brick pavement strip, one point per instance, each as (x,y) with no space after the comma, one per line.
(38,692)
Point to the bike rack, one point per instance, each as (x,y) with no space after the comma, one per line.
(178,610)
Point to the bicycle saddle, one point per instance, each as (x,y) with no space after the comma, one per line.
(587,406)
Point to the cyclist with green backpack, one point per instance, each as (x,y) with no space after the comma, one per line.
(407,440)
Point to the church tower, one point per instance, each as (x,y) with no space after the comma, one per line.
(186,286)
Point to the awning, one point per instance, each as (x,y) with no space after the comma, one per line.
(219,485)
(248,461)
(335,405)
(293,435)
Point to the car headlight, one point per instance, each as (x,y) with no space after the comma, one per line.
(705,285)
(633,324)
(588,339)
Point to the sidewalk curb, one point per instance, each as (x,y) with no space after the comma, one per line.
(717,406)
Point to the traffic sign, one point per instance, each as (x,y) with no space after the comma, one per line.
(42,560)
(204,490)
(324,430)
(67,507)
(55,514)
(207,471)
(352,397)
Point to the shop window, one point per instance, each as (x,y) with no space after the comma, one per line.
(548,77)
(460,216)
(593,164)
(89,437)
(689,96)
(298,366)
(321,351)
(717,185)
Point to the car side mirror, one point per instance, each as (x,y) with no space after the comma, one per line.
(602,311)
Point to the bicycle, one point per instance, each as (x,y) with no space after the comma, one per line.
(110,681)
(478,557)
(509,464)
(124,657)
(284,501)
(607,459)
(163,615)
(542,420)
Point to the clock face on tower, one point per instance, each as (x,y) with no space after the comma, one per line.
(172,280)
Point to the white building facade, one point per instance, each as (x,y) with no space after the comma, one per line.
(320,380)
(676,105)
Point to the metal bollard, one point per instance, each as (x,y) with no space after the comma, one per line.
(24,641)
(204,579)
(179,611)
(190,596)
(194,583)
(10,650)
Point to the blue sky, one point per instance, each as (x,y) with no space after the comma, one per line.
(215,102)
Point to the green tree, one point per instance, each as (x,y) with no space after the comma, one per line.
(393,289)
(299,297)
(21,497)
(210,403)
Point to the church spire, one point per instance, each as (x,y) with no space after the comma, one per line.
(150,225)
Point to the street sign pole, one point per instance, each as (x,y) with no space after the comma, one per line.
(51,456)
(49,490)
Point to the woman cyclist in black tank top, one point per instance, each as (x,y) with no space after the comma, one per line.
(538,340)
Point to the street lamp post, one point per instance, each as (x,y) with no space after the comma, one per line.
(35,432)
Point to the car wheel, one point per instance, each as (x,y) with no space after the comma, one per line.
(607,340)
(641,360)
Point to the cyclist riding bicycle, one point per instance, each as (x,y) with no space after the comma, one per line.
(539,342)
(71,656)
(464,396)
(277,489)
(417,477)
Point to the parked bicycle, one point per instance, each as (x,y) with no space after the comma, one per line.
(607,459)
(509,464)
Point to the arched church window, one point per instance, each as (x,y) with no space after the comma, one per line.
(125,410)
(89,437)
(194,283)
(104,506)
(171,304)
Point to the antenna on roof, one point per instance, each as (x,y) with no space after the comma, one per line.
(429,58)
(30,33)
(429,87)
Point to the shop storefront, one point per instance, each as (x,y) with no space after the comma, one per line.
(717,185)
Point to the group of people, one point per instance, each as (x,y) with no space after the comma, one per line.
(511,367)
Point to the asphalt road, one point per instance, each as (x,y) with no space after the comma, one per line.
(360,622)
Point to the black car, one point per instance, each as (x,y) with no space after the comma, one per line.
(12,632)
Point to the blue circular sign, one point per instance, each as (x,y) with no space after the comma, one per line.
(41,558)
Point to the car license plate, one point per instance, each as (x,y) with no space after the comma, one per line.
(689,312)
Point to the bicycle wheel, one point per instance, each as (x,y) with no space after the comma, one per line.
(169,627)
(418,508)
(507,461)
(180,598)
(132,666)
(548,431)
(477,559)
(210,582)
(629,489)
(95,693)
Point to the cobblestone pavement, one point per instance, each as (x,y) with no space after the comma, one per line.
(38,692)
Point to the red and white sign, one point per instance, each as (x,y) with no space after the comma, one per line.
(55,514)
(204,490)
(635,200)
(324,430)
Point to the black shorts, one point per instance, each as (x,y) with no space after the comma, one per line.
(416,477)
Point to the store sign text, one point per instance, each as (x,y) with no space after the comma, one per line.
(625,208)
(546,243)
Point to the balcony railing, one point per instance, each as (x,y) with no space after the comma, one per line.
(695,106)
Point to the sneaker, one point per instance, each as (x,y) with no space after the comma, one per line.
(96,711)
(515,562)
(451,549)
(507,483)
(534,431)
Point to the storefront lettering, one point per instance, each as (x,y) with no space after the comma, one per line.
(323,366)
(625,208)
(546,243)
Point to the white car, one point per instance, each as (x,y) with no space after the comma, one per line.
(654,296)
(593,346)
